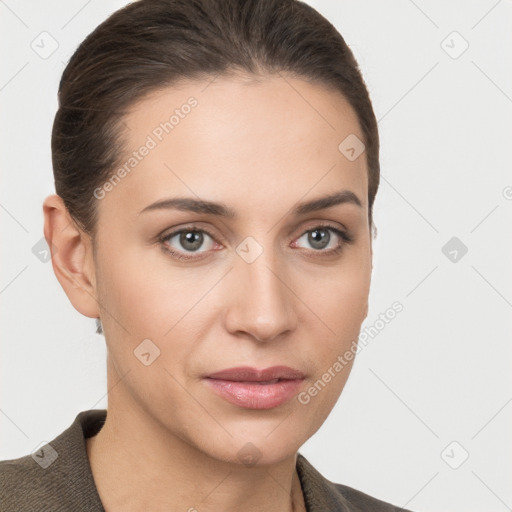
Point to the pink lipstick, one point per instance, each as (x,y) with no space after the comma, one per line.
(256,389)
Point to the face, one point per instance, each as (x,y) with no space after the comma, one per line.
(267,276)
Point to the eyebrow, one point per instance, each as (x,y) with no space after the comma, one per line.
(189,204)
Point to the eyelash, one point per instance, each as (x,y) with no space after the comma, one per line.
(345,236)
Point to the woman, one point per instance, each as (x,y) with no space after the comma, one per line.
(216,164)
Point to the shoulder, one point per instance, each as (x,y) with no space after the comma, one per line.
(34,482)
(321,494)
(15,494)
(54,477)
(363,502)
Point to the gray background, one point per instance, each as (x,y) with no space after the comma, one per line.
(431,388)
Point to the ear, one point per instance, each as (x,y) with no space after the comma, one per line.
(72,258)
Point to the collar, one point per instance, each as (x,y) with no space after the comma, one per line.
(320,494)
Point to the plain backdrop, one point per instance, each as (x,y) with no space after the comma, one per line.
(425,419)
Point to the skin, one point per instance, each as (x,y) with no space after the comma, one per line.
(260,147)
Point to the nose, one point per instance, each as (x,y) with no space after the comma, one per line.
(261,300)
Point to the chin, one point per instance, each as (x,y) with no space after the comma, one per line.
(258,443)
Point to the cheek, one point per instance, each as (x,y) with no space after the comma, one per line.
(342,307)
(143,291)
(344,295)
(343,315)
(145,297)
(341,302)
(129,291)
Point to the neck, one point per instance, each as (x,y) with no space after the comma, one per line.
(137,464)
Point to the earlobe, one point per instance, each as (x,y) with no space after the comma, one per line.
(71,253)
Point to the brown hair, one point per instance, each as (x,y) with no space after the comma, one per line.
(150,44)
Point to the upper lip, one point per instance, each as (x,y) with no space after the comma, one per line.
(248,374)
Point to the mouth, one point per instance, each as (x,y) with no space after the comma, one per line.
(251,388)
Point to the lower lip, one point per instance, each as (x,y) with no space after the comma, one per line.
(252,395)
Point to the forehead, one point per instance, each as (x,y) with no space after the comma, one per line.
(240,141)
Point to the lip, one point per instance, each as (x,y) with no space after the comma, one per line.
(252,388)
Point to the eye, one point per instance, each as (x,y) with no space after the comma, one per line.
(321,239)
(187,240)
(194,243)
